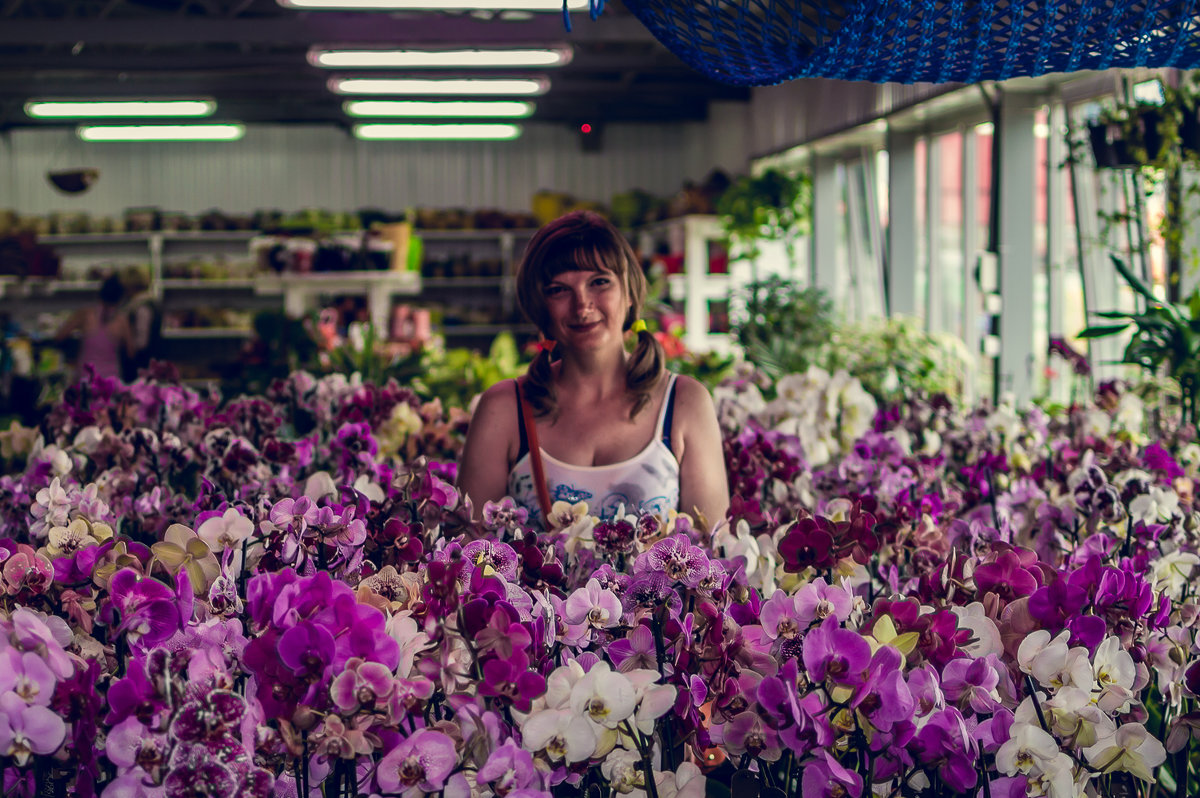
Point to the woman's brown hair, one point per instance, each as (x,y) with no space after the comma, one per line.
(584,241)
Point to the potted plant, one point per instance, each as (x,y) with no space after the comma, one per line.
(1166,338)
(771,206)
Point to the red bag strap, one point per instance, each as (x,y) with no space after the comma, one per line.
(535,452)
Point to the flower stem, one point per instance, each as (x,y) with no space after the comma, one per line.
(1036,704)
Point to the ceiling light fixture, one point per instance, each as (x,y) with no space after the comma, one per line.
(437,5)
(510,109)
(416,132)
(221,132)
(445,59)
(94,109)
(446,86)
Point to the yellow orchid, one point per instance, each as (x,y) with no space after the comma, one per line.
(63,541)
(182,548)
(884,633)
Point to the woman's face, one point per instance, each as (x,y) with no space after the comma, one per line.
(586,309)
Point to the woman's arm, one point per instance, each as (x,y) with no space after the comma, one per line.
(703,486)
(491,446)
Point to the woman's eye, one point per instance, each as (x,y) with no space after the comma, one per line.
(553,290)
(601,281)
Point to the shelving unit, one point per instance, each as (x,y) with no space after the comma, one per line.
(696,289)
(493,295)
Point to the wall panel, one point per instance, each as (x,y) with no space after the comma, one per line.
(297,167)
(803,110)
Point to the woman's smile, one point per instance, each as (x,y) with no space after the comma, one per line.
(585,304)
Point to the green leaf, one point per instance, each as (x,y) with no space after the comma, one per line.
(1102,330)
(1134,281)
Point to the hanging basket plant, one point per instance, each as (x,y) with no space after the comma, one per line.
(1130,137)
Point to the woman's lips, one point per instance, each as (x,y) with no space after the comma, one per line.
(584,327)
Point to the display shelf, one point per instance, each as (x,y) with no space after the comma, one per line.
(166,236)
(207,284)
(194,333)
(474,234)
(42,286)
(695,287)
(464,282)
(298,293)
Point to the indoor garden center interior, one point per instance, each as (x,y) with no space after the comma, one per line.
(584,399)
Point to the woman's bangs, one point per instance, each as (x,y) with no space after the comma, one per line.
(580,256)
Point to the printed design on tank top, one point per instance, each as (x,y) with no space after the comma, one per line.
(569,494)
(648,482)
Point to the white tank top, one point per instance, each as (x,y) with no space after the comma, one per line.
(648,482)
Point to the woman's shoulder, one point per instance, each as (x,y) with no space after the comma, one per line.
(500,398)
(690,392)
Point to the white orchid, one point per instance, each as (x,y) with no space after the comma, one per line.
(1115,674)
(562,734)
(738,544)
(1158,505)
(984,632)
(1028,750)
(623,769)
(653,700)
(1072,714)
(604,696)
(226,531)
(1131,749)
(1052,662)
(1174,571)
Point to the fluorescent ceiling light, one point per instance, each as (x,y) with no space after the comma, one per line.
(413,132)
(223,132)
(490,86)
(452,59)
(513,109)
(89,109)
(441,5)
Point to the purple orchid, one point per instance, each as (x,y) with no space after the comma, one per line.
(837,654)
(361,684)
(27,729)
(423,761)
(972,684)
(493,554)
(635,651)
(593,606)
(150,611)
(508,768)
(825,777)
(677,558)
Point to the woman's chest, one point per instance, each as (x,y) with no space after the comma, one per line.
(596,437)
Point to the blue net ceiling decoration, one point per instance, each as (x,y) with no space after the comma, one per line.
(762,42)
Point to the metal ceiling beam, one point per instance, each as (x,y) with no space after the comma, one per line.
(321,28)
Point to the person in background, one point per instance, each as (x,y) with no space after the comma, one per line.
(104,331)
(615,429)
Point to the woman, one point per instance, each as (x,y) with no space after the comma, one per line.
(105,331)
(614,428)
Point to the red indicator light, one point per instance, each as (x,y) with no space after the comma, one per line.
(585,128)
